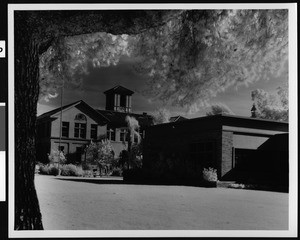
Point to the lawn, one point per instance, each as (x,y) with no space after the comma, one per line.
(70,205)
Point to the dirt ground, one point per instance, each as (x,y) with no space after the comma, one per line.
(70,205)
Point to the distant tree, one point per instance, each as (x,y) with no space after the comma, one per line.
(100,153)
(133,127)
(219,108)
(272,106)
(161,115)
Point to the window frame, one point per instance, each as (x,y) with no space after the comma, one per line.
(65,128)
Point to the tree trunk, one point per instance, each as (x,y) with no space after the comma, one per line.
(34,32)
(27,210)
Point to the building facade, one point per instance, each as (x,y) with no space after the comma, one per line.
(239,148)
(73,126)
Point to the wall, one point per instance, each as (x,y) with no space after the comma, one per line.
(167,150)
(69,116)
(226,159)
(248,142)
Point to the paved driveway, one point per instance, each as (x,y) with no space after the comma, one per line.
(73,205)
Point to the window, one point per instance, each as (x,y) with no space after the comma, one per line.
(65,129)
(61,148)
(94,133)
(80,130)
(123,101)
(111,134)
(80,117)
(123,134)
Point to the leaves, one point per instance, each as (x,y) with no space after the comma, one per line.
(100,152)
(219,108)
(272,106)
(188,60)
(161,115)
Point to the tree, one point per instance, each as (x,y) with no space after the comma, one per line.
(133,127)
(219,108)
(35,33)
(189,56)
(201,53)
(161,115)
(272,106)
(100,153)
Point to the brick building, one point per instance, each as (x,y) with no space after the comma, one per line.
(240,148)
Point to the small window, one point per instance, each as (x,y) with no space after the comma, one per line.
(61,148)
(123,134)
(80,117)
(111,134)
(94,131)
(65,129)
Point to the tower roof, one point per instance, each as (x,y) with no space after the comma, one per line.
(119,90)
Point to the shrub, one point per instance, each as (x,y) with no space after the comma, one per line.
(53,170)
(117,172)
(87,166)
(87,173)
(71,170)
(210,174)
(44,170)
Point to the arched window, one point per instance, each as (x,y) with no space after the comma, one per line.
(80,117)
(80,126)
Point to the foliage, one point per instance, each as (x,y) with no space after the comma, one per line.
(117,172)
(100,152)
(210,174)
(69,57)
(161,115)
(272,106)
(48,169)
(136,155)
(56,156)
(201,53)
(71,170)
(219,108)
(44,170)
(189,59)
(133,126)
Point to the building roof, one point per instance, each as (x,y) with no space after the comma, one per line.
(80,104)
(216,121)
(117,119)
(119,90)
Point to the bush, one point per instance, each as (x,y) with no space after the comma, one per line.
(53,170)
(87,166)
(117,172)
(44,170)
(88,173)
(210,174)
(71,170)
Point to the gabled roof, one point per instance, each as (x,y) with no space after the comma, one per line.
(83,106)
(177,118)
(117,119)
(120,90)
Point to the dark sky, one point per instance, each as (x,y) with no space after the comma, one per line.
(101,79)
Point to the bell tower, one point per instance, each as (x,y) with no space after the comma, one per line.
(118,99)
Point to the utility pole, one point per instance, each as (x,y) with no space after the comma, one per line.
(60,125)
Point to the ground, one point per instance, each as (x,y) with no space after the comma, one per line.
(101,205)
